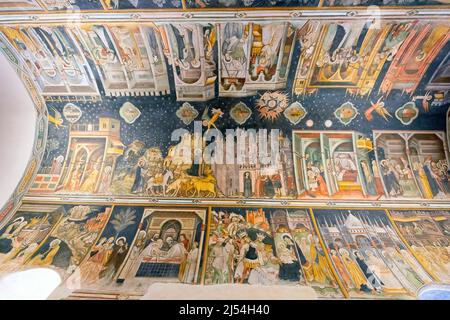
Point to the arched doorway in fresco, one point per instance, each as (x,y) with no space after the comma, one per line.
(92,171)
(345,167)
(414,154)
(170,229)
(311,162)
(313,152)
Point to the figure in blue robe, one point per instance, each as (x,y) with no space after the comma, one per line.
(292,271)
(371,276)
(247,185)
(137,185)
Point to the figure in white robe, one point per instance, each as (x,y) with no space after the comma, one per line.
(220,262)
(151,252)
(384,273)
(191,264)
(176,252)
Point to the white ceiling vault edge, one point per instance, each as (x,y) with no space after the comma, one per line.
(149,201)
(38,106)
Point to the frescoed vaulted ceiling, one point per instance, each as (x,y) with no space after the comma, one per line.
(132,96)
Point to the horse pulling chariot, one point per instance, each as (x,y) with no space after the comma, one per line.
(192,186)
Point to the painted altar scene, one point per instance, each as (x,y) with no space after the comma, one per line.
(334,165)
(413,164)
(167,247)
(368,255)
(349,56)
(140,246)
(128,59)
(254,57)
(53,58)
(192,57)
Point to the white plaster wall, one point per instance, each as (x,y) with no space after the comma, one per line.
(33,284)
(172,291)
(17,129)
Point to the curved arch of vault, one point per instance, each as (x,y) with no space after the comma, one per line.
(356,205)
